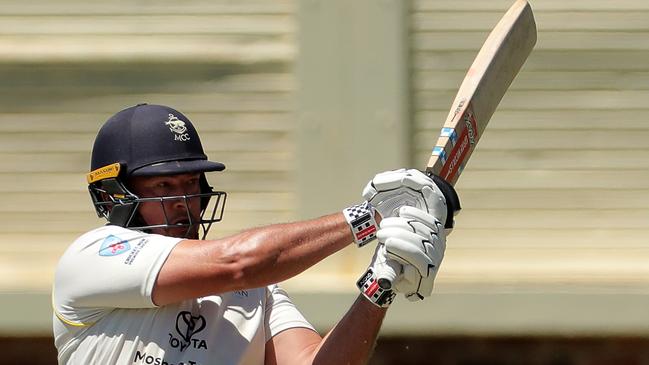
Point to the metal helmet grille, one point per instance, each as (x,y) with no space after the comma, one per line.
(212,213)
(121,208)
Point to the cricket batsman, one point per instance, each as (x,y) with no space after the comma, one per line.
(148,288)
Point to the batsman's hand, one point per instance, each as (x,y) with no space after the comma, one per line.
(388,191)
(391,190)
(410,251)
(415,241)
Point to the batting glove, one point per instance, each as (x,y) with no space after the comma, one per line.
(417,241)
(410,251)
(388,191)
(391,190)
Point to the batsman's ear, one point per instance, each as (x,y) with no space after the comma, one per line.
(452,199)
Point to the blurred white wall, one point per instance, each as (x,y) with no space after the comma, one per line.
(552,237)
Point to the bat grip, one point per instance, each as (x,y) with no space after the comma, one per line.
(389,273)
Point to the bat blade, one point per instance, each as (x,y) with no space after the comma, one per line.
(493,70)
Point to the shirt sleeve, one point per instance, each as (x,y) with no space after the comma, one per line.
(110,267)
(281,314)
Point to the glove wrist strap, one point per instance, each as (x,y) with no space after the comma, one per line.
(370,288)
(362,223)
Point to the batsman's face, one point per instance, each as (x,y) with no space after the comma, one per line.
(171,211)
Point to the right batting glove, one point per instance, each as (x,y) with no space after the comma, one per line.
(410,251)
(416,241)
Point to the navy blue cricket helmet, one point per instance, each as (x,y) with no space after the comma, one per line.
(148,140)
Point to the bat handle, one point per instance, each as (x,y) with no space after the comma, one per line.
(387,276)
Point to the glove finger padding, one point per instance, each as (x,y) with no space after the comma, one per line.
(387,180)
(392,180)
(412,239)
(435,201)
(437,238)
(415,220)
(415,239)
(415,179)
(402,250)
(390,190)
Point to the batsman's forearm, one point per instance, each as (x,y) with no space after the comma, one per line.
(278,252)
(251,259)
(352,340)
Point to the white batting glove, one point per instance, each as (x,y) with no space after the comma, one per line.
(417,241)
(391,190)
(410,251)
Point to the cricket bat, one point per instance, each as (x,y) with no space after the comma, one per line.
(501,57)
(493,70)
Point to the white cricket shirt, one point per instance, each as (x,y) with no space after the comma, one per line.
(103,312)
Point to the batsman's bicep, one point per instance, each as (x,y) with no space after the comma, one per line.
(186,273)
(180,276)
(196,268)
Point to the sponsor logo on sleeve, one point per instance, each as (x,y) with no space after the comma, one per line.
(135,251)
(113,246)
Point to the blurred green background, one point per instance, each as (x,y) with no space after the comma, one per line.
(304,101)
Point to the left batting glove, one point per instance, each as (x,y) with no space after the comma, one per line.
(388,191)
(391,190)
